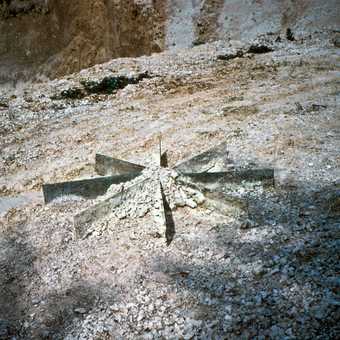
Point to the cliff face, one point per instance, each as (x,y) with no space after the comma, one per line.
(199,21)
(54,38)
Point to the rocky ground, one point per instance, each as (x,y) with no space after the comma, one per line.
(275,104)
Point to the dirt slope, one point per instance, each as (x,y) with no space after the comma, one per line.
(275,277)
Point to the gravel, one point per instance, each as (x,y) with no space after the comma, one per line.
(270,274)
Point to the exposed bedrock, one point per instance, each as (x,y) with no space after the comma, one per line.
(53,38)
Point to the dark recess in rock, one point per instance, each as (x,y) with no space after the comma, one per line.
(255,49)
(198,42)
(106,85)
(290,35)
(238,54)
(258,49)
(3,104)
(109,84)
(336,41)
(72,93)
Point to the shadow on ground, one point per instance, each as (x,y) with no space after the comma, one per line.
(16,270)
(51,316)
(278,279)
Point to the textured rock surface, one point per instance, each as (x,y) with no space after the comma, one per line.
(54,38)
(273,275)
(67,36)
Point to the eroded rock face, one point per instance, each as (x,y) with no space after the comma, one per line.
(13,8)
(54,38)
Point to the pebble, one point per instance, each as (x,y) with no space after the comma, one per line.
(80,311)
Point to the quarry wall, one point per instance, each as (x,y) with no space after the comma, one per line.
(51,38)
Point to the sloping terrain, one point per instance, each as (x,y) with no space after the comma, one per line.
(275,104)
(44,38)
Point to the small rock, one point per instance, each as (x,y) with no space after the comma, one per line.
(80,310)
(336,41)
(140,316)
(191,203)
(248,224)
